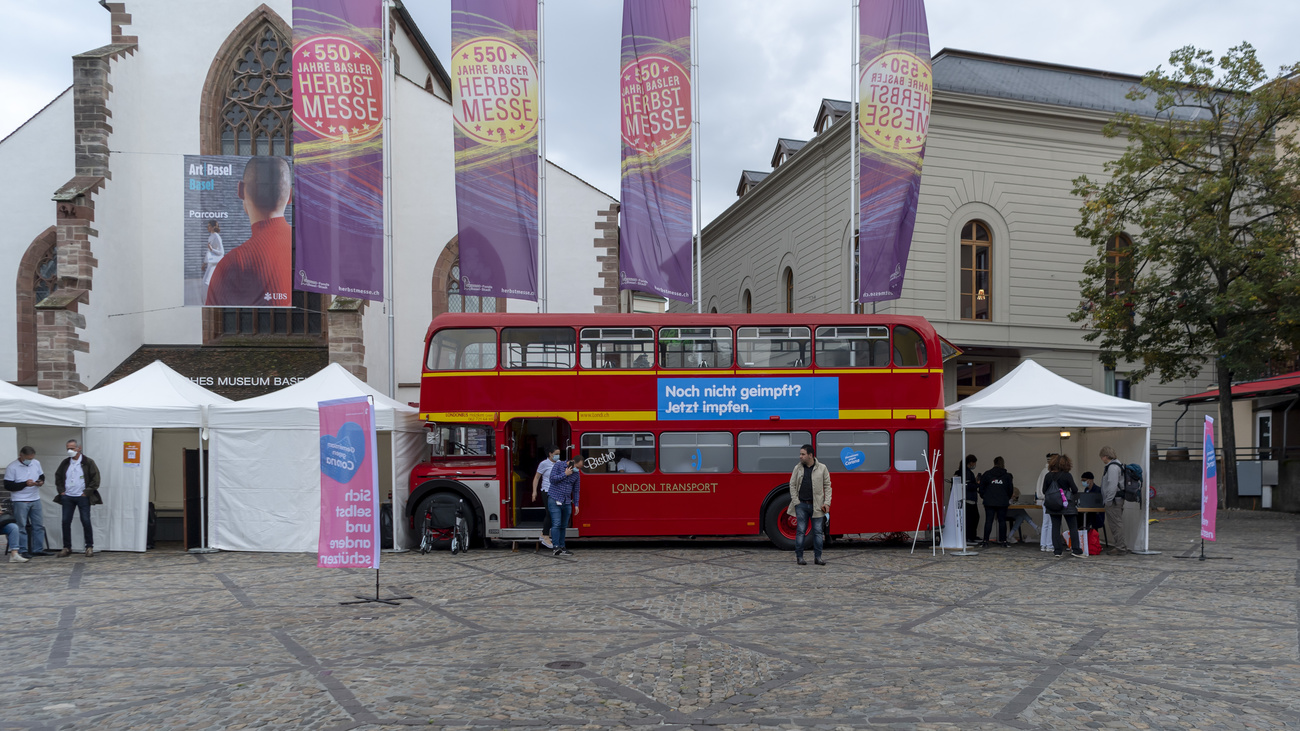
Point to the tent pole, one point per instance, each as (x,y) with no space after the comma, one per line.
(203,487)
(961,502)
(1146,499)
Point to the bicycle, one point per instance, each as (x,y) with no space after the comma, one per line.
(456,532)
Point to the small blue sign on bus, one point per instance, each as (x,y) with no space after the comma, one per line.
(718,399)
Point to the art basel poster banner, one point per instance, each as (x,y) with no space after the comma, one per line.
(349,485)
(338,147)
(1209,483)
(655,105)
(238,233)
(894,93)
(495,105)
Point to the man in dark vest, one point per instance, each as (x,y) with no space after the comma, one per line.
(78,481)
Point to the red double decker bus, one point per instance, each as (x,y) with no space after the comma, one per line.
(687,424)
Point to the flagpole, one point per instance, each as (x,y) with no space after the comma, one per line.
(855,263)
(696,218)
(386,35)
(542,293)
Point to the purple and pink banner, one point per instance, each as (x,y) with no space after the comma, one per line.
(894,93)
(349,485)
(495,105)
(1209,483)
(338,147)
(655,102)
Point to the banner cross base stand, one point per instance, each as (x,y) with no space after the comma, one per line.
(1203,557)
(391,601)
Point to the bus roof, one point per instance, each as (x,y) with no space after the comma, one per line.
(669,319)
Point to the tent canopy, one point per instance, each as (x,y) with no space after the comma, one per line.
(20,407)
(295,407)
(1033,397)
(154,397)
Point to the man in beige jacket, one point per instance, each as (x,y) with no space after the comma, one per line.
(810,499)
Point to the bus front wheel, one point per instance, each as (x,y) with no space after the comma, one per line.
(780,526)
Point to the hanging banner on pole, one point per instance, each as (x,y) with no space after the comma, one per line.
(495,103)
(894,93)
(349,485)
(1209,483)
(338,147)
(238,240)
(655,102)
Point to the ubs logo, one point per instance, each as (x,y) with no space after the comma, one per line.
(275,296)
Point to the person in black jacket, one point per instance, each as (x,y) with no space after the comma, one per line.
(972,484)
(1058,476)
(996,488)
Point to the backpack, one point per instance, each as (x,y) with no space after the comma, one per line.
(1130,483)
(1055,498)
(1129,487)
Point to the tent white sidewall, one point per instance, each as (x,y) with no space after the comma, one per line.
(409,449)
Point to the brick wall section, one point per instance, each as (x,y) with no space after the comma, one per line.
(347,341)
(120,19)
(57,320)
(607,245)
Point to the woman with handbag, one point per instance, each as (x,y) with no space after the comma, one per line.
(1060,501)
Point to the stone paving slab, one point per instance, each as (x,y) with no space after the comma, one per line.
(673,634)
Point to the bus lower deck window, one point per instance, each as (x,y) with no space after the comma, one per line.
(910,447)
(854,451)
(618,452)
(766,451)
(686,452)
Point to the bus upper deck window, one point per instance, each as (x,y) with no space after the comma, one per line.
(773,347)
(618,347)
(909,348)
(538,348)
(695,347)
(857,346)
(467,349)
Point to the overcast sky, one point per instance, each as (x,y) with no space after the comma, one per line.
(765,65)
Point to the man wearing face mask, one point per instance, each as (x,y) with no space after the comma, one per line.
(23,479)
(78,481)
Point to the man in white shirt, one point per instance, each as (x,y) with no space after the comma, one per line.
(542,481)
(23,478)
(78,481)
(625,464)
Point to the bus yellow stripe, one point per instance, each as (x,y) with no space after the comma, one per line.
(458,416)
(566,415)
(864,413)
(911,413)
(617,416)
(938,414)
(445,374)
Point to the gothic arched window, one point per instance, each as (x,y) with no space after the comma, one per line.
(46,279)
(258,107)
(457,302)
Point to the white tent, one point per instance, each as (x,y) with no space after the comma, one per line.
(120,422)
(1028,412)
(266,462)
(45,424)
(20,407)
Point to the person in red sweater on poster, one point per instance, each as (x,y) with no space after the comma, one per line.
(259,272)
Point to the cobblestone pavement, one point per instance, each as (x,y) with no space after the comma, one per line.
(675,634)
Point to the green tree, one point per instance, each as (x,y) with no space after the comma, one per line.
(1209,191)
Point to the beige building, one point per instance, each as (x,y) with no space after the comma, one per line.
(994,264)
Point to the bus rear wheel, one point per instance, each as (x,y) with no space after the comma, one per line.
(780,526)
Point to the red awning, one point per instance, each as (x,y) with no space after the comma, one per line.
(1275,386)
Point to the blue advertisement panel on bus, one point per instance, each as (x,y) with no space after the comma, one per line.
(705,399)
